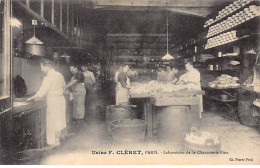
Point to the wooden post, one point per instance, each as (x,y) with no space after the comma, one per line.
(77,16)
(28,3)
(149,118)
(42,8)
(72,19)
(68,18)
(52,12)
(60,15)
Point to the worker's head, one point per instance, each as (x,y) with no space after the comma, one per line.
(46,65)
(84,68)
(125,68)
(168,68)
(189,65)
(175,70)
(120,67)
(73,69)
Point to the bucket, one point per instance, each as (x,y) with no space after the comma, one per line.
(174,122)
(117,112)
(27,155)
(245,112)
(128,130)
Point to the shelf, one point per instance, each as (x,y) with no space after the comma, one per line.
(239,26)
(217,59)
(209,88)
(230,14)
(225,101)
(232,42)
(225,70)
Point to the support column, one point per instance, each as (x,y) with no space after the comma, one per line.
(42,8)
(52,12)
(68,18)
(28,3)
(60,15)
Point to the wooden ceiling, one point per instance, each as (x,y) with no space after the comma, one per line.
(200,8)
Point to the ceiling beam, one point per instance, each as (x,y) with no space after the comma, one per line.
(135,35)
(162,3)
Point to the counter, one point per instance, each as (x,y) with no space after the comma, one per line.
(29,125)
(248,112)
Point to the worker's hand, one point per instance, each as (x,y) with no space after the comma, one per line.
(30,98)
(66,91)
(174,81)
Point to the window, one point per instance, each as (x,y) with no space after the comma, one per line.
(4,50)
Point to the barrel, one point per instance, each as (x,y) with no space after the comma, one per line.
(128,131)
(117,112)
(27,156)
(173,124)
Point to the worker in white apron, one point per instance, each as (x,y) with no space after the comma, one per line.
(52,87)
(79,93)
(123,86)
(120,69)
(192,79)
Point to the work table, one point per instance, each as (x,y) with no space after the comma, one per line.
(29,124)
(175,98)
(29,107)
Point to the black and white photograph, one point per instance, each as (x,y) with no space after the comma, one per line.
(129,82)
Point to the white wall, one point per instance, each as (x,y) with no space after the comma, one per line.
(30,71)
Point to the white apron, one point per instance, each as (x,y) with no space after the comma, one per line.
(122,93)
(55,118)
(192,79)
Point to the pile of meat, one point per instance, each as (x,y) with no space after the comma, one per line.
(224,81)
(155,86)
(202,138)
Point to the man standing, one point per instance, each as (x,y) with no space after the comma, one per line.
(52,87)
(78,91)
(123,86)
(192,79)
(89,78)
(161,75)
(89,81)
(170,75)
(119,70)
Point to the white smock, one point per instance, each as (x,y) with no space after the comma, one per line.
(52,87)
(122,94)
(192,79)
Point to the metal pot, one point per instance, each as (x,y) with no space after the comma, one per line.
(35,49)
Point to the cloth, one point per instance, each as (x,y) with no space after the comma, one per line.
(162,76)
(122,79)
(170,76)
(89,78)
(192,79)
(79,94)
(52,87)
(121,90)
(116,76)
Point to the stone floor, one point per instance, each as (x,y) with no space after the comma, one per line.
(90,144)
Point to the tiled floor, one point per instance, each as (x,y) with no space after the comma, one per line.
(238,142)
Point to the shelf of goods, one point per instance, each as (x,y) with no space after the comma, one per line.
(222,31)
(230,10)
(224,81)
(236,20)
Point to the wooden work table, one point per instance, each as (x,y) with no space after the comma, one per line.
(178,98)
(29,125)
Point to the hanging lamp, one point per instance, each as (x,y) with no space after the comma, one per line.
(167,56)
(34,40)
